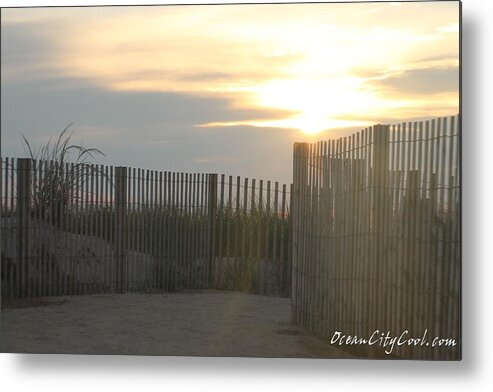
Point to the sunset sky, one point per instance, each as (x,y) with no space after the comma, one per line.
(224,88)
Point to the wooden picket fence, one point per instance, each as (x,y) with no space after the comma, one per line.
(376,235)
(367,238)
(86,228)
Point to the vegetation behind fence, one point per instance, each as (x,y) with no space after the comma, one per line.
(376,235)
(86,228)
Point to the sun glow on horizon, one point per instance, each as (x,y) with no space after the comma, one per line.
(308,126)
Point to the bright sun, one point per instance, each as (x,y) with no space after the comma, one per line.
(309,124)
(318,103)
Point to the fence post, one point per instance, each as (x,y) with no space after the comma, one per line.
(23,223)
(380,166)
(300,163)
(120,227)
(212,208)
(289,265)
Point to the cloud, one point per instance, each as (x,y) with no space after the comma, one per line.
(449,28)
(162,48)
(26,51)
(73,98)
(421,81)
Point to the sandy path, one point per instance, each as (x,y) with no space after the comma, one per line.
(207,323)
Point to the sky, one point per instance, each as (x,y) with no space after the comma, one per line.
(226,88)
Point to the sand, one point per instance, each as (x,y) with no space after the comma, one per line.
(195,323)
(86,258)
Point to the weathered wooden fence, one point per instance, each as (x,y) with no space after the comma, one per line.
(81,229)
(376,235)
